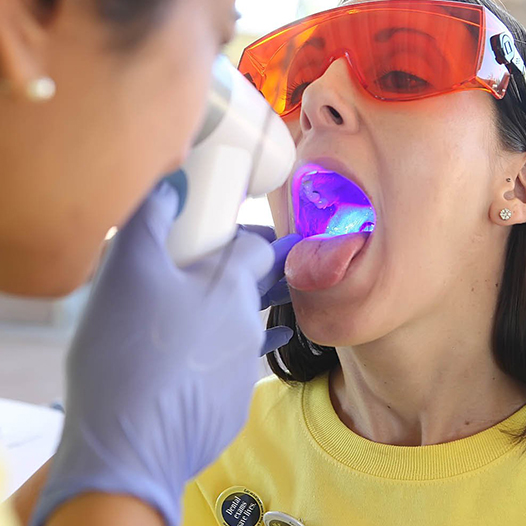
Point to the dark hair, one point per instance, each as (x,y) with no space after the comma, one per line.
(131,19)
(302,360)
(126,12)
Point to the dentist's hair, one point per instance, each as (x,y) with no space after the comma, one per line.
(302,360)
(131,20)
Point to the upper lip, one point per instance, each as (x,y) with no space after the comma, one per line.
(334,165)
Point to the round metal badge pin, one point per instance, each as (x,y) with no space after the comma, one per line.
(239,506)
(277,518)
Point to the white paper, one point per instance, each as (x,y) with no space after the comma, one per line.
(29,436)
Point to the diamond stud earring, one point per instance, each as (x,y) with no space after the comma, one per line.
(505,214)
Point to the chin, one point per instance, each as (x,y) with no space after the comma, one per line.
(334,324)
(42,276)
(324,328)
(40,285)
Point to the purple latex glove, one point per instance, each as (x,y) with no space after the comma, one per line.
(273,288)
(161,370)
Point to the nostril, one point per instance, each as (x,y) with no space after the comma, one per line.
(335,115)
(305,122)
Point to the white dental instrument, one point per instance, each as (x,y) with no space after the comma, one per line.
(244,149)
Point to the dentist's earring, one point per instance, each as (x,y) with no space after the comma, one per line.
(506,214)
(42,89)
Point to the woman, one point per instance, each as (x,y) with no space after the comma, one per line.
(407,391)
(117,67)
(98,100)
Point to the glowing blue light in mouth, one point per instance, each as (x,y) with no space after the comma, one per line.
(325,202)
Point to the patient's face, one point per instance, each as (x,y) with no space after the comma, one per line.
(429,169)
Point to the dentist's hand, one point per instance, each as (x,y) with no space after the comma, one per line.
(161,370)
(273,287)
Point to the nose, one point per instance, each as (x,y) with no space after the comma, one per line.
(329,102)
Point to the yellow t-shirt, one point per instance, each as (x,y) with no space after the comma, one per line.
(300,459)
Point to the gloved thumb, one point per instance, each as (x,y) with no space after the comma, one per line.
(281,247)
(255,253)
(155,216)
(279,294)
(275,338)
(266,232)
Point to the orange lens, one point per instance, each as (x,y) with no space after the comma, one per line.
(398,50)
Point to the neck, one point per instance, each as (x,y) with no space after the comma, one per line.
(424,385)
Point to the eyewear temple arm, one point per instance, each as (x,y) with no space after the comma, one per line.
(507,53)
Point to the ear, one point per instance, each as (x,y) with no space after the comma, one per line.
(22,45)
(511,195)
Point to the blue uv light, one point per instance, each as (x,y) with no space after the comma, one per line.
(327,203)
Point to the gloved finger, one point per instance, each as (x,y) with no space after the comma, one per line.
(266,232)
(276,338)
(155,216)
(255,253)
(279,294)
(281,247)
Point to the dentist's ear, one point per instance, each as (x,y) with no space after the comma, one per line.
(509,205)
(23,57)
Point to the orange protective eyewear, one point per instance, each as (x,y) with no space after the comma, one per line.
(398,50)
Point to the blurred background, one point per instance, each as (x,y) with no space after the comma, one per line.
(34,334)
(517,8)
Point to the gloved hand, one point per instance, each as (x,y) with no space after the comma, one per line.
(161,370)
(273,287)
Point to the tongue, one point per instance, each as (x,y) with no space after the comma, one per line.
(318,263)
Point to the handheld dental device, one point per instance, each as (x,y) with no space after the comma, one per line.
(243,149)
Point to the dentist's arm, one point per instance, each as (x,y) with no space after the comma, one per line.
(86,510)
(105,510)
(273,291)
(160,375)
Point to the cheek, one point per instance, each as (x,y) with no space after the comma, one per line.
(434,176)
(177,102)
(161,104)
(293,124)
(278,201)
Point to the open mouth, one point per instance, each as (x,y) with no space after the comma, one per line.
(327,203)
(336,218)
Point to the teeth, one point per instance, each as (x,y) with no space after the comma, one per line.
(367,227)
(351,218)
(314,197)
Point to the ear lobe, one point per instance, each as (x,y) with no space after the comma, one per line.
(22,46)
(510,206)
